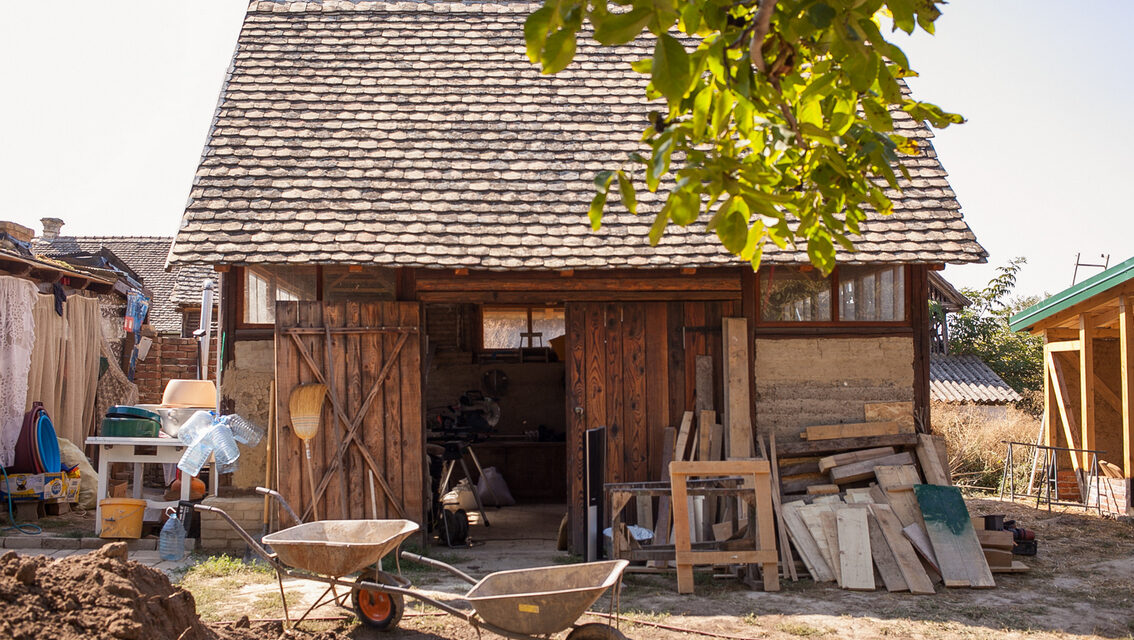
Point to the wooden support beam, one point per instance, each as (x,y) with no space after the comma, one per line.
(1063,401)
(1087,387)
(1056,334)
(737,414)
(1065,345)
(1126,352)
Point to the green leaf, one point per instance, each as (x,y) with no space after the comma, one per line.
(642,66)
(626,192)
(620,28)
(903,12)
(535,32)
(686,206)
(820,15)
(691,17)
(701,106)
(877,115)
(603,178)
(671,70)
(559,51)
(598,203)
(821,252)
(732,226)
(862,69)
(659,163)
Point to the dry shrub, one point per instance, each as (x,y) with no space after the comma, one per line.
(974,435)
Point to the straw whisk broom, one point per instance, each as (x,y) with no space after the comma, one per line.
(306,407)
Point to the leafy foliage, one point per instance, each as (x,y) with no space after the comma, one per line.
(982,330)
(778,118)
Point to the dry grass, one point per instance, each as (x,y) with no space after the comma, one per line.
(974,437)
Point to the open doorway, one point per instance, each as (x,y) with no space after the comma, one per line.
(495,397)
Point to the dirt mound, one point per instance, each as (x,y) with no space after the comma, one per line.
(97,595)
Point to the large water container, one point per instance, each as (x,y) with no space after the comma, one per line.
(195,457)
(171,542)
(224,445)
(244,431)
(195,427)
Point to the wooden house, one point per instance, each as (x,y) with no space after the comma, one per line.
(1089,327)
(397,186)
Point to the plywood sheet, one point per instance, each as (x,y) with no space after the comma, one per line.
(959,555)
(900,412)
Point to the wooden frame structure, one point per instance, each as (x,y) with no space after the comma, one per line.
(1088,333)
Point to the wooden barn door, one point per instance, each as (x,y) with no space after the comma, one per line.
(630,368)
(368,455)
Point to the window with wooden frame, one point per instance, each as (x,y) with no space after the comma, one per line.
(851,295)
(263,285)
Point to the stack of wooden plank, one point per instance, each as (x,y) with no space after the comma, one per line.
(878,510)
(997,547)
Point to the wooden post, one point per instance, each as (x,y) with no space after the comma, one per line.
(1086,391)
(1126,348)
(737,415)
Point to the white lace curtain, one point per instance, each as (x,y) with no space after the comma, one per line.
(17,336)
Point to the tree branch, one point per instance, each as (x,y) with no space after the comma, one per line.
(763,24)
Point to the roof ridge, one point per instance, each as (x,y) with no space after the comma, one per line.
(441,6)
(64,238)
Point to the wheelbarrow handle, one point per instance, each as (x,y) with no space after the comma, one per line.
(255,546)
(279,498)
(439,565)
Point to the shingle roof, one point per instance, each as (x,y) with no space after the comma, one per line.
(418,134)
(967,378)
(146,255)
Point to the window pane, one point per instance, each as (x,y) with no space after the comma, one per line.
(790,295)
(263,286)
(507,327)
(872,294)
(355,284)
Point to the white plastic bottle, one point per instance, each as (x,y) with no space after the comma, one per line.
(171,542)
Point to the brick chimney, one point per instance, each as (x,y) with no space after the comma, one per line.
(51,227)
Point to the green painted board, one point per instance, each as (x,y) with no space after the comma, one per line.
(955,543)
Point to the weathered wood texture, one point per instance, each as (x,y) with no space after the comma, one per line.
(390,434)
(631,367)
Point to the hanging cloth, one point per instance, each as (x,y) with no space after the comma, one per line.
(47,358)
(17,336)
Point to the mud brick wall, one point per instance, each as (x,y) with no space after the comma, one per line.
(802,382)
(170,358)
(246,388)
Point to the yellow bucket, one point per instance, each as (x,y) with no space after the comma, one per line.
(122,517)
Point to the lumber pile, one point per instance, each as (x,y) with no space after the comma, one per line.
(870,506)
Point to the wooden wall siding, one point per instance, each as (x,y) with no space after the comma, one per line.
(392,429)
(630,368)
(590,286)
(918,305)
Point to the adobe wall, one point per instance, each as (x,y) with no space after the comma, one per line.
(246,383)
(802,382)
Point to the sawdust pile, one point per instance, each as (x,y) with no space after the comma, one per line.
(102,595)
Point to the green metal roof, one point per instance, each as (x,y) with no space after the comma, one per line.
(1067,298)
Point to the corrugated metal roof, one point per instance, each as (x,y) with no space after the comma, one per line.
(967,379)
(1065,299)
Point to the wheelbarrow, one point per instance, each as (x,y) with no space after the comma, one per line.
(524,603)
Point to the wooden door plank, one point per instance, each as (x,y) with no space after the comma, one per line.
(657,386)
(884,558)
(392,407)
(805,544)
(737,415)
(662,522)
(864,470)
(413,420)
(897,481)
(855,561)
(908,564)
(636,453)
(575,329)
(853,430)
(930,459)
(955,544)
(828,462)
(613,392)
(360,507)
(681,445)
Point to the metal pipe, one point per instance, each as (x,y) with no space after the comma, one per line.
(437,564)
(276,494)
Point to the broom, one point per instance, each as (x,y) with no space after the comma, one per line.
(306,407)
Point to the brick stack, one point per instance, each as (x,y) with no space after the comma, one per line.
(218,534)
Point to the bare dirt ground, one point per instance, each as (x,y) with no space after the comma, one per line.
(1080,585)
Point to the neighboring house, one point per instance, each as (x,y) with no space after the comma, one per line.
(960,379)
(403,170)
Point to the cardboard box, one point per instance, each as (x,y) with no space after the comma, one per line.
(34,486)
(72,482)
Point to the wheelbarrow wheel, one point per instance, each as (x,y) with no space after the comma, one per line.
(596,631)
(375,609)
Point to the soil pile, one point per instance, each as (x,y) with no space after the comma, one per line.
(97,595)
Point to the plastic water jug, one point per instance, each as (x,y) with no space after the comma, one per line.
(195,457)
(196,426)
(171,542)
(224,445)
(244,431)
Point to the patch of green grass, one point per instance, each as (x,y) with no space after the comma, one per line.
(750,619)
(224,566)
(647,616)
(800,629)
(568,558)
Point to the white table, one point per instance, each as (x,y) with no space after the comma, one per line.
(111,450)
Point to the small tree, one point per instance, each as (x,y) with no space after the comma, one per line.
(982,330)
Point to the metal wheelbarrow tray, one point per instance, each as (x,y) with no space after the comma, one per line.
(338,547)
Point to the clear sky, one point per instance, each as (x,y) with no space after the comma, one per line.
(106,106)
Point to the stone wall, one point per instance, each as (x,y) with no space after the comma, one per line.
(245,386)
(802,382)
